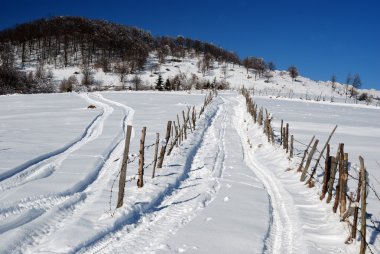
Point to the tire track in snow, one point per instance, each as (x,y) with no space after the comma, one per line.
(57,207)
(68,222)
(45,165)
(300,223)
(280,238)
(195,191)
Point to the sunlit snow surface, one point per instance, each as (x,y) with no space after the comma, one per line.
(225,188)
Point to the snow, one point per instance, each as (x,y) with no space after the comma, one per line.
(224,189)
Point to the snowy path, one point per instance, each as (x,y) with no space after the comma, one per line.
(227,187)
(224,190)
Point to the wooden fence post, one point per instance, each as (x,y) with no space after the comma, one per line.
(163,148)
(338,191)
(334,166)
(176,134)
(287,137)
(140,181)
(156,153)
(188,120)
(303,175)
(184,124)
(291,146)
(332,178)
(363,243)
(194,118)
(281,130)
(123,170)
(326,176)
(343,189)
(320,155)
(304,155)
(356,211)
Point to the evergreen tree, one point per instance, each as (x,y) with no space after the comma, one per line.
(168,86)
(208,84)
(160,83)
(213,85)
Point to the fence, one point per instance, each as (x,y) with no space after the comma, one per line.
(332,166)
(175,135)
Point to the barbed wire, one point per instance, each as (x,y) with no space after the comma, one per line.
(149,146)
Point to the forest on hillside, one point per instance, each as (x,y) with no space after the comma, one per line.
(69,41)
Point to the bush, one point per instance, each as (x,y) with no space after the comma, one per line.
(68,85)
(363,97)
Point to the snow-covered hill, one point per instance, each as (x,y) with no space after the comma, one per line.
(224,189)
(276,83)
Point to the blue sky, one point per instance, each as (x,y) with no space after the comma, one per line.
(319,37)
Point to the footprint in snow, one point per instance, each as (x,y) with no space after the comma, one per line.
(228,185)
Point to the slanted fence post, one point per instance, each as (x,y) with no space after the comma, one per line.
(308,161)
(163,148)
(304,154)
(184,124)
(320,155)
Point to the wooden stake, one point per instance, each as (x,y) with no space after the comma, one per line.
(320,155)
(184,124)
(188,120)
(287,137)
(291,146)
(140,181)
(304,154)
(338,191)
(334,166)
(123,170)
(163,148)
(282,123)
(343,189)
(156,153)
(326,176)
(363,243)
(356,211)
(303,175)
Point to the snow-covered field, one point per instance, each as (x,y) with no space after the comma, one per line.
(223,190)
(215,193)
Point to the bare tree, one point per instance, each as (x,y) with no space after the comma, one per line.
(137,82)
(356,82)
(88,78)
(224,70)
(333,82)
(293,72)
(348,82)
(7,58)
(247,63)
(271,66)
(122,70)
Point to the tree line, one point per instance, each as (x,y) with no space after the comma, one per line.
(69,41)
